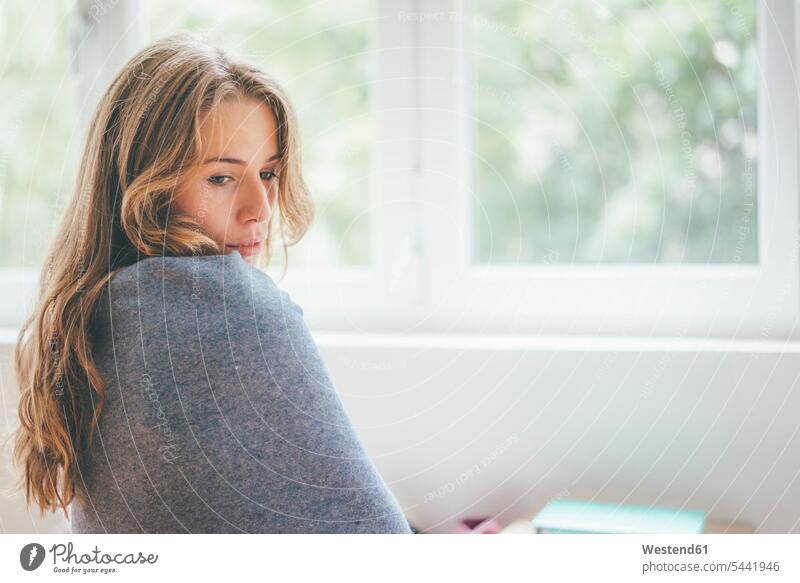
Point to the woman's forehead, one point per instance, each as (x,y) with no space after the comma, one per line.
(240,128)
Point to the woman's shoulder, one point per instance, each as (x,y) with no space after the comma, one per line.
(180,271)
(195,282)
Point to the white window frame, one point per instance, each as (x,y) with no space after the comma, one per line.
(420,278)
(759,300)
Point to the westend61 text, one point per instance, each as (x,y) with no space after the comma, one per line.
(671,550)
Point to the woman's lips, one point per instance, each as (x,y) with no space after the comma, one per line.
(247,249)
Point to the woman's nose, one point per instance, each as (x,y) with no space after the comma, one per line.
(254,199)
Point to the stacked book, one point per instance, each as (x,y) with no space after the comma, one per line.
(584,517)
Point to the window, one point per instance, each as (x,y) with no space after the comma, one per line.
(615,132)
(39,144)
(619,167)
(545,209)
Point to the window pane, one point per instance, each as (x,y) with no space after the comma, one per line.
(318,52)
(615,132)
(39,142)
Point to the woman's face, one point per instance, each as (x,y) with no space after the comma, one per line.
(233,191)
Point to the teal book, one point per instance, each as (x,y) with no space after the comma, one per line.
(584,517)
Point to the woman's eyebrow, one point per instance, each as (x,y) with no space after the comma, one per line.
(236,160)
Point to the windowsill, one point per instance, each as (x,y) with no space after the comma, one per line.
(8,337)
(528,342)
(542,343)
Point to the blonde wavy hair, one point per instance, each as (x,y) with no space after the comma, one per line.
(143,135)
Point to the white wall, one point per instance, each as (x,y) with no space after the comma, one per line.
(14,517)
(470,426)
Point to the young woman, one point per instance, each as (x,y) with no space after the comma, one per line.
(168,385)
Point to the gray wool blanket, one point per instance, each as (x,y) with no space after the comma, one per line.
(220,413)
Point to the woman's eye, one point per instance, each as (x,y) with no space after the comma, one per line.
(268,175)
(219,179)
